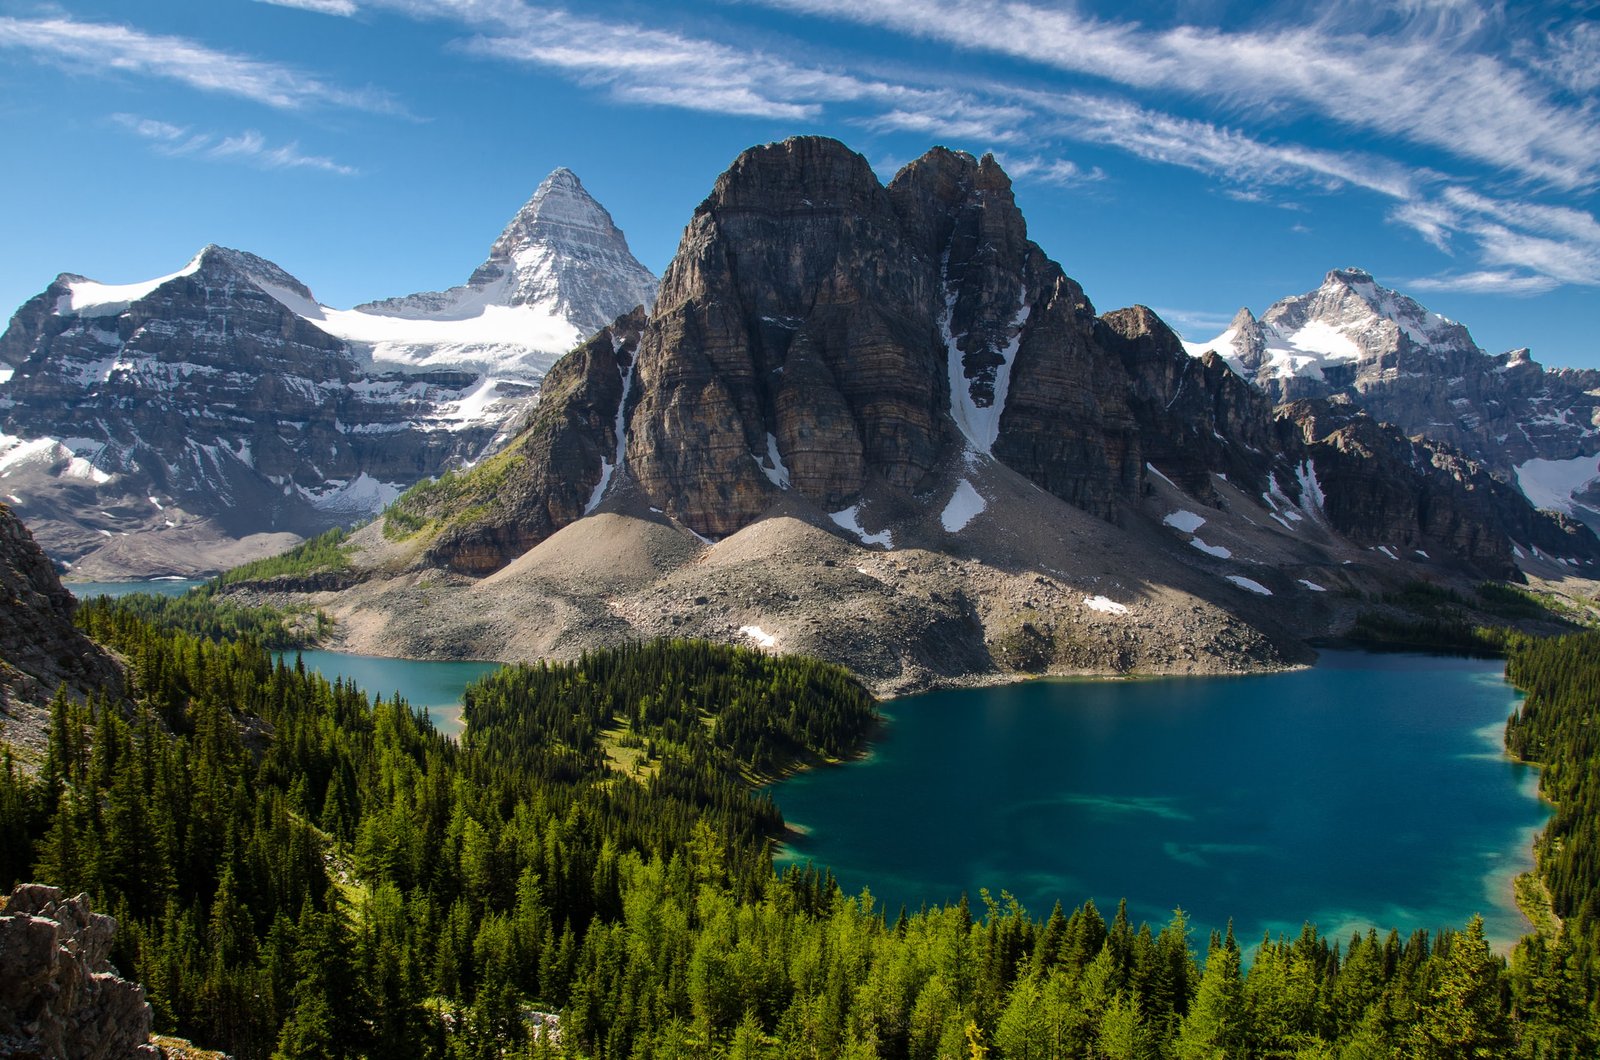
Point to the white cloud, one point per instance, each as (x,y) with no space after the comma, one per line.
(249,147)
(1526,247)
(1569,56)
(1062,172)
(342,8)
(1433,221)
(1485,282)
(99,46)
(151,129)
(1217,150)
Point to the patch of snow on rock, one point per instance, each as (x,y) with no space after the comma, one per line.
(1185,522)
(86,298)
(1157,473)
(850,519)
(1551,483)
(1219,551)
(964,506)
(1313,586)
(79,468)
(1104,604)
(980,425)
(1249,584)
(773,467)
(760,636)
(1311,495)
(362,495)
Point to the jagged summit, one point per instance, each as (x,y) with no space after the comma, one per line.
(561,253)
(559,210)
(1305,344)
(1404,364)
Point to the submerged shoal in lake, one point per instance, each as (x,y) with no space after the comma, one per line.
(1368,790)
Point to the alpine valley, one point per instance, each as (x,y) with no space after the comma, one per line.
(862,439)
(876,424)
(190,423)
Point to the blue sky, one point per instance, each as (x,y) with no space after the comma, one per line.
(1193,156)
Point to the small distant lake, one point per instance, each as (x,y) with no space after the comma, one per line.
(159,586)
(436,685)
(1369,790)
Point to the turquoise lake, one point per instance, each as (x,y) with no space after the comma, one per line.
(159,586)
(434,685)
(1370,790)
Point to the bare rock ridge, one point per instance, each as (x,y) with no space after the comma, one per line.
(191,422)
(40,649)
(60,998)
(1416,369)
(819,336)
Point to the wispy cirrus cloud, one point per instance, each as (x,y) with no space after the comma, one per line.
(98,47)
(1424,81)
(1061,172)
(1525,247)
(1471,105)
(249,147)
(342,8)
(1485,281)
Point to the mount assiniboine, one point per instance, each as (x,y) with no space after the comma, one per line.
(878,425)
(1535,427)
(190,422)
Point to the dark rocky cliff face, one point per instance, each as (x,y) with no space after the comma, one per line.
(40,649)
(556,463)
(1382,488)
(818,332)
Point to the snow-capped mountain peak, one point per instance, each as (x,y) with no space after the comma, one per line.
(1350,321)
(1421,371)
(559,271)
(560,211)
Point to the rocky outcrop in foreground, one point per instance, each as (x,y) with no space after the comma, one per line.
(60,998)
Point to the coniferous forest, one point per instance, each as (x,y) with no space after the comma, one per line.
(300,872)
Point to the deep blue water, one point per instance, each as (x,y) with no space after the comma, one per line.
(434,685)
(1369,790)
(159,586)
